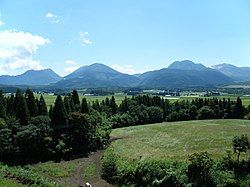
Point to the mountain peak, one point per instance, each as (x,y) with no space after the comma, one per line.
(32,77)
(237,73)
(186,65)
(90,69)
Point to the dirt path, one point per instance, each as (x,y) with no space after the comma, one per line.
(88,170)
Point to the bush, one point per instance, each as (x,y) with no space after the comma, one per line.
(109,170)
(205,113)
(141,173)
(200,169)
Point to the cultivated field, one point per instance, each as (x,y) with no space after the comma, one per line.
(177,140)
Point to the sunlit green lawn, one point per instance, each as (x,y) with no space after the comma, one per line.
(177,140)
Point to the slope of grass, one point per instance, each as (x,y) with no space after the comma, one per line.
(5,182)
(177,140)
(73,172)
(23,176)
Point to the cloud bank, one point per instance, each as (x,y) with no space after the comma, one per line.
(17,49)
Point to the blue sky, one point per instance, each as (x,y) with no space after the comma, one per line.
(131,36)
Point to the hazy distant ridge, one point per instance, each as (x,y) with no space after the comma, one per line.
(179,74)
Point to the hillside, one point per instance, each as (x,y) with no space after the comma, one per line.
(177,140)
(236,73)
(97,76)
(31,77)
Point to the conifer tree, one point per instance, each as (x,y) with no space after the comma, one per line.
(229,109)
(2,105)
(75,101)
(42,107)
(51,108)
(107,102)
(59,112)
(238,110)
(22,112)
(31,103)
(113,105)
(67,105)
(17,99)
(10,105)
(84,106)
(96,105)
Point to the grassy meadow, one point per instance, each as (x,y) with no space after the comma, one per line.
(50,99)
(177,140)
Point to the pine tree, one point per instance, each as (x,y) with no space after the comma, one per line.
(96,105)
(238,109)
(2,105)
(17,99)
(10,105)
(75,100)
(42,107)
(51,109)
(84,107)
(228,109)
(113,105)
(59,112)
(22,112)
(124,105)
(31,103)
(107,102)
(67,105)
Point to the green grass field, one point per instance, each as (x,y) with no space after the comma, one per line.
(50,99)
(177,140)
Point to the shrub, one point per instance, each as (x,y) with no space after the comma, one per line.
(200,169)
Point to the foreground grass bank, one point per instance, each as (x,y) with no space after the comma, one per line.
(159,154)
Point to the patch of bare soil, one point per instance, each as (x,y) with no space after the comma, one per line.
(78,178)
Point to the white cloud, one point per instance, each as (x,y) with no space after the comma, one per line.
(74,66)
(83,37)
(70,69)
(53,17)
(71,62)
(17,49)
(128,69)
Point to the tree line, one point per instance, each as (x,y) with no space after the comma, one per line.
(144,109)
(30,133)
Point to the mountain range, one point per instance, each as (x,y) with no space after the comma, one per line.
(178,75)
(31,78)
(236,73)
